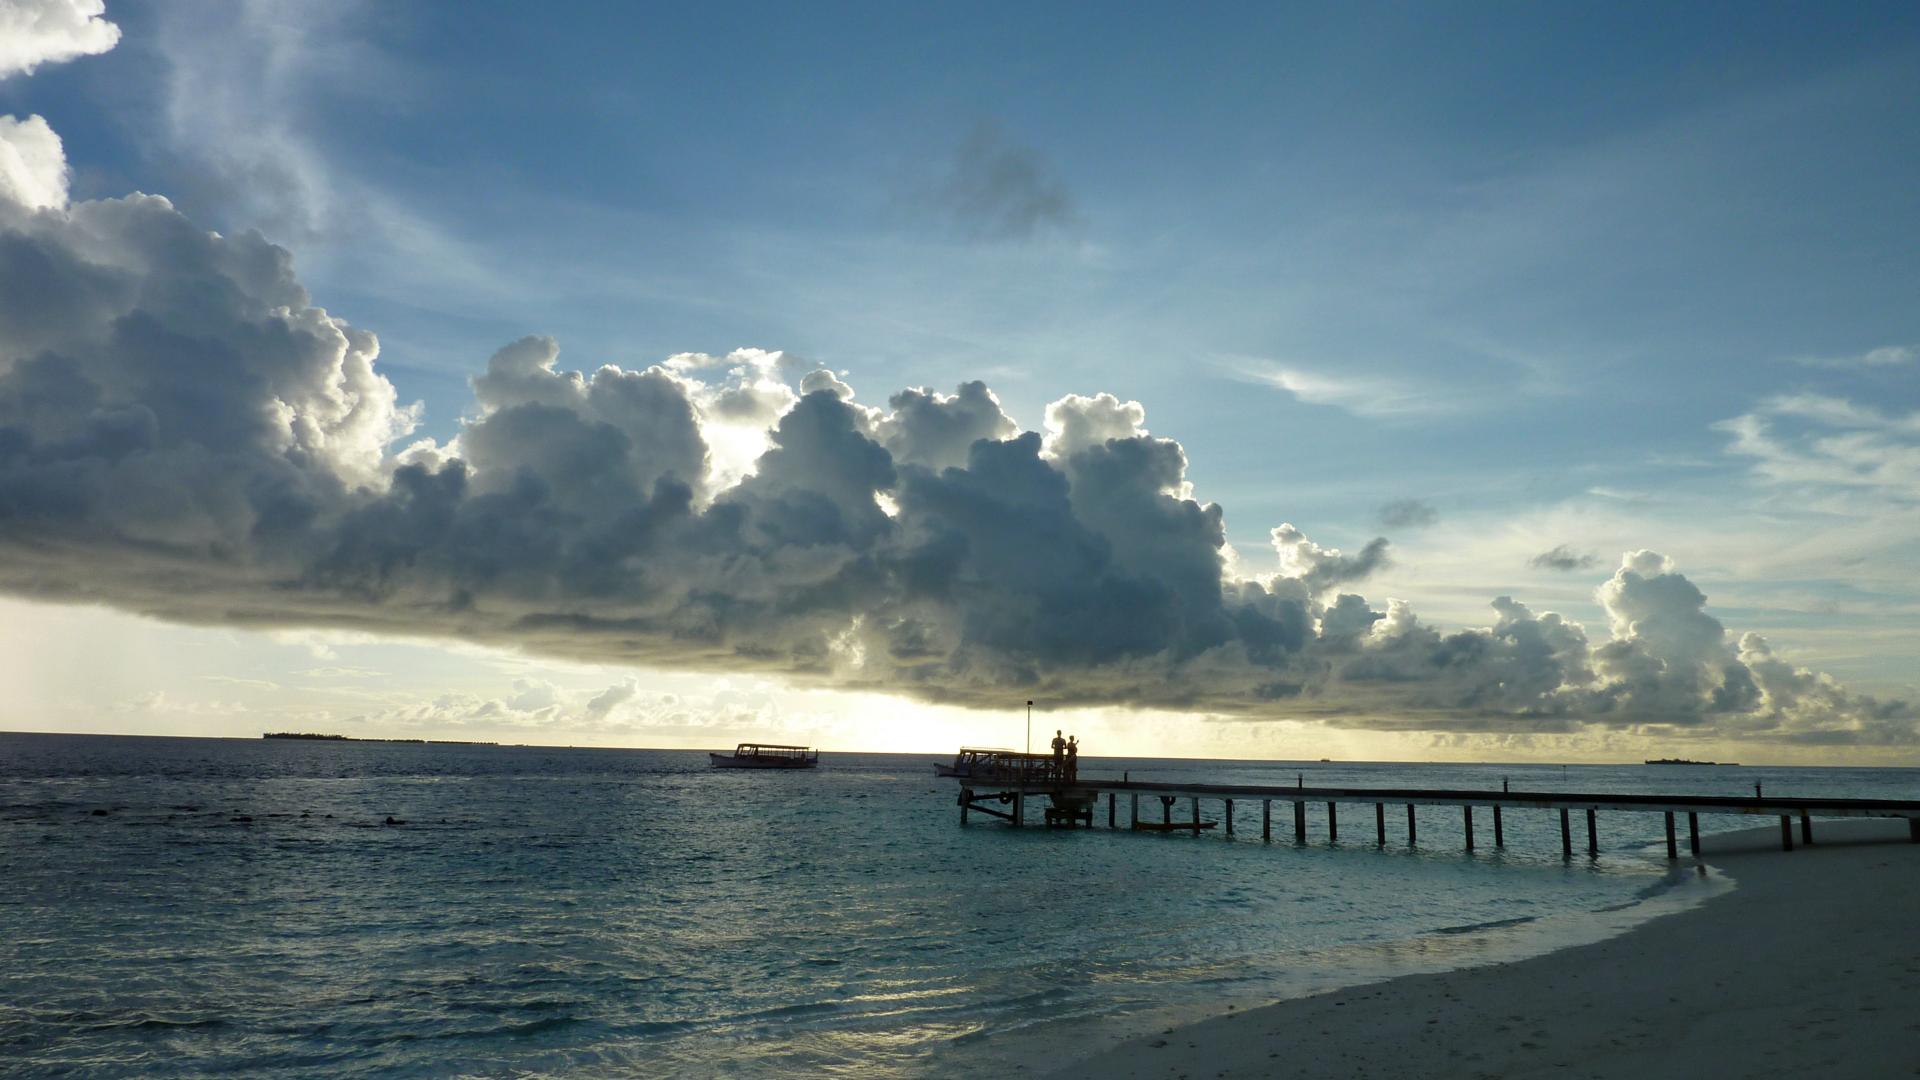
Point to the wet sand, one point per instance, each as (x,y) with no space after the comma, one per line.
(1810,967)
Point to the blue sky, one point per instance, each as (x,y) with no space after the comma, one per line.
(1531,267)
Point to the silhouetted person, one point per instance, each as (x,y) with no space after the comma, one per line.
(1059,753)
(1073,758)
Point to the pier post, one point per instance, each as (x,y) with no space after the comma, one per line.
(966,803)
(1136,810)
(1166,809)
(1196,815)
(1229,817)
(1593,841)
(1333,825)
(1469,817)
(1913,829)
(1693,832)
(1266,819)
(1109,809)
(1019,808)
(1786,833)
(1380,821)
(1673,848)
(1566,836)
(1499,834)
(1299,822)
(1411,831)
(1806,829)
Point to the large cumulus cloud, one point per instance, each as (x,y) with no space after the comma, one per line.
(184,433)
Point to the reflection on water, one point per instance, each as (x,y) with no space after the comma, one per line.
(179,907)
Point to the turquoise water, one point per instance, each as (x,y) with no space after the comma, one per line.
(240,907)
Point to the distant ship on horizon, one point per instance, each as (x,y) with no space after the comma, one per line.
(1686,761)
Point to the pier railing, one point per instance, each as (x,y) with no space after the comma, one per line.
(1012,788)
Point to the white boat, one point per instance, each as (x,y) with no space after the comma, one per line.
(767,756)
(994,764)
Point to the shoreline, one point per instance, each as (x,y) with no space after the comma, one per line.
(1801,969)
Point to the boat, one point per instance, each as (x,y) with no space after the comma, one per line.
(1685,761)
(974,761)
(767,756)
(995,765)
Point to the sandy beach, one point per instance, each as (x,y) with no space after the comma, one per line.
(1810,967)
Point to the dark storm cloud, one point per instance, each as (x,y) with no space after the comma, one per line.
(1562,557)
(184,434)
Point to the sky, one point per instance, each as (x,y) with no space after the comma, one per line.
(1506,382)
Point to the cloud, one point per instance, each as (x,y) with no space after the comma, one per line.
(1320,569)
(997,189)
(611,698)
(1816,441)
(185,434)
(1408,514)
(35,32)
(1076,423)
(33,166)
(1563,558)
(1363,396)
(1885,356)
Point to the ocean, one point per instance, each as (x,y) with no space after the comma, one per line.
(190,907)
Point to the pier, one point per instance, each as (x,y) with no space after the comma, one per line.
(1002,792)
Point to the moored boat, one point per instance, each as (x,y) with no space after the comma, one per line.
(767,756)
(975,760)
(994,765)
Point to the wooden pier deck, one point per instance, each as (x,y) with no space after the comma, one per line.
(1075,802)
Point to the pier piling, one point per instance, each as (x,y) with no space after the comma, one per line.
(1077,801)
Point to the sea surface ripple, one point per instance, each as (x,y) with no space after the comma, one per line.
(189,907)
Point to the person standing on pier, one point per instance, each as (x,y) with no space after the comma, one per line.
(1059,754)
(1073,758)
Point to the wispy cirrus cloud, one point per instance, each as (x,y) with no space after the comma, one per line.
(1831,442)
(1886,356)
(1371,396)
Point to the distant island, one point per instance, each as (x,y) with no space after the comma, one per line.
(1686,761)
(316,737)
